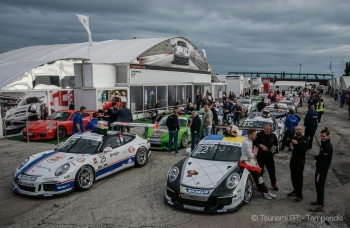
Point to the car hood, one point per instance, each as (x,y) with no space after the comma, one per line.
(159,132)
(41,123)
(199,173)
(49,162)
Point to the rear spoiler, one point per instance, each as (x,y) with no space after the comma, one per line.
(247,128)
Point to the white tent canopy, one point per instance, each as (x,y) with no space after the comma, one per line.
(16,62)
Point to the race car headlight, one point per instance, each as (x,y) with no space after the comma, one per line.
(62,169)
(173,173)
(23,163)
(233,180)
(48,127)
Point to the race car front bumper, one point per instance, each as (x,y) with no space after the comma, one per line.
(198,202)
(36,186)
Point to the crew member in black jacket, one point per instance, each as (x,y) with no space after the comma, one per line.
(261,105)
(172,123)
(267,143)
(323,163)
(195,129)
(299,146)
(310,124)
(113,115)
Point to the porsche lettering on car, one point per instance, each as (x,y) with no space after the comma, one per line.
(80,161)
(210,180)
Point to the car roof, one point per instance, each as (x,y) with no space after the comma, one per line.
(221,138)
(259,118)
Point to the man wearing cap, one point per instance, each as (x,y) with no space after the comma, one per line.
(267,142)
(248,161)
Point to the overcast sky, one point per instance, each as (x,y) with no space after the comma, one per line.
(251,35)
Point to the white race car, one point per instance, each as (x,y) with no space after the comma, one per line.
(258,123)
(248,104)
(79,162)
(210,180)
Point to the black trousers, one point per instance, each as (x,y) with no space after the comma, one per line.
(198,105)
(342,103)
(259,181)
(287,137)
(349,111)
(310,134)
(320,180)
(296,166)
(319,116)
(266,159)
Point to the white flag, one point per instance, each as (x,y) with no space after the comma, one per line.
(85,21)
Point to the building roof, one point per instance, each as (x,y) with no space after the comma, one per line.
(17,62)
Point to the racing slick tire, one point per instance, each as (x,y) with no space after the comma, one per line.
(141,157)
(184,141)
(248,192)
(62,132)
(84,178)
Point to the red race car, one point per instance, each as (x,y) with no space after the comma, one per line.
(108,104)
(46,129)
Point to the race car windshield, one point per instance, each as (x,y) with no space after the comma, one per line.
(79,145)
(182,122)
(59,116)
(258,124)
(116,99)
(217,152)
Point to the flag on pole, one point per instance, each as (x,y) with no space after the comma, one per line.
(85,21)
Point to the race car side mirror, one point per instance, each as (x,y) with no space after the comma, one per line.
(188,151)
(107,149)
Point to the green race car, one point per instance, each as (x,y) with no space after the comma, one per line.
(158,138)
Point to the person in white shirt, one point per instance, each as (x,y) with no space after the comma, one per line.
(248,161)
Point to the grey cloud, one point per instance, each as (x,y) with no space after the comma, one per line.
(253,35)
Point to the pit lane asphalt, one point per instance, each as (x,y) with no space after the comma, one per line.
(134,197)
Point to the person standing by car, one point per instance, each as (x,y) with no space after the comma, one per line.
(289,128)
(215,118)
(100,115)
(112,114)
(320,109)
(207,120)
(124,115)
(93,122)
(310,124)
(299,147)
(157,105)
(323,163)
(195,129)
(78,124)
(238,111)
(342,100)
(261,105)
(172,124)
(188,98)
(266,141)
(189,108)
(199,100)
(248,161)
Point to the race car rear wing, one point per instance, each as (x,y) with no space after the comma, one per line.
(247,128)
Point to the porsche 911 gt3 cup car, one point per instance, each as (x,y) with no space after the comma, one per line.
(210,180)
(79,162)
(258,123)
